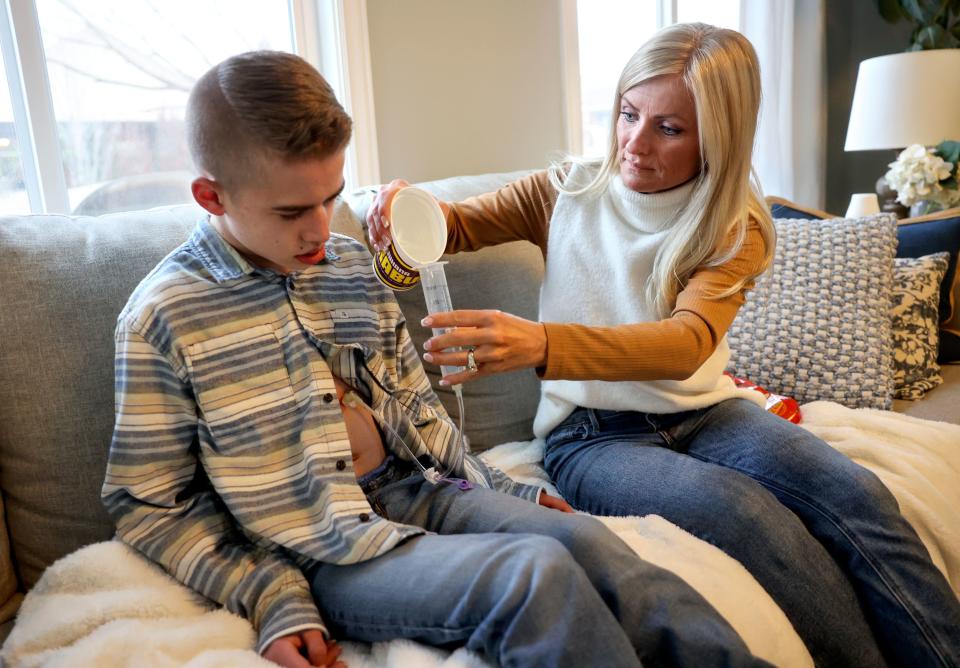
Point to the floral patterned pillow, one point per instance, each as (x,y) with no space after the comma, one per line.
(914,323)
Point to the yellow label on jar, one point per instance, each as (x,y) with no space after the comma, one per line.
(393,271)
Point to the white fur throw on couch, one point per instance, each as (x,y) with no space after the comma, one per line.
(105,605)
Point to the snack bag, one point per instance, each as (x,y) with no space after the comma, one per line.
(785,407)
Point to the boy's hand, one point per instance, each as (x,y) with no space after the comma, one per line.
(378,227)
(555,502)
(305,649)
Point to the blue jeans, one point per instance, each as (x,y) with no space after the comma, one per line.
(821,534)
(519,583)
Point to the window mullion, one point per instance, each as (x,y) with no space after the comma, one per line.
(305,24)
(332,36)
(33,108)
(570,62)
(666,13)
(354,42)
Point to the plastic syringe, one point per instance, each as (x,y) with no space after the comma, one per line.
(435,292)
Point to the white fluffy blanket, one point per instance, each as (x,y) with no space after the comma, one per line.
(918,460)
(104,605)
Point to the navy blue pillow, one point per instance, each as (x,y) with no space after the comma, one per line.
(783,209)
(916,237)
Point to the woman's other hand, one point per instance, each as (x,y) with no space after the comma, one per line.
(500,342)
(378,227)
(555,502)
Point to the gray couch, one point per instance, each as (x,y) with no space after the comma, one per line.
(62,282)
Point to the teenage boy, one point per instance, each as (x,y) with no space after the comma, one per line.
(272,416)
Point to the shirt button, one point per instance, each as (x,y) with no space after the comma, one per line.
(364,517)
(341,465)
(327,398)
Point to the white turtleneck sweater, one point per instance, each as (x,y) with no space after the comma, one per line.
(600,255)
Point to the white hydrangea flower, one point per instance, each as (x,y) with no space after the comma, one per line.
(916,175)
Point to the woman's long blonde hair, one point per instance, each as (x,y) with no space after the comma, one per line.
(720,69)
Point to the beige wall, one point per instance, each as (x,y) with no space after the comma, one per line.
(465,86)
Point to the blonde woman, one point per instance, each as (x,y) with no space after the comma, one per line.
(649,254)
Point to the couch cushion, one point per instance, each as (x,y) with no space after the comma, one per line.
(940,403)
(64,280)
(499,409)
(10,595)
(817,326)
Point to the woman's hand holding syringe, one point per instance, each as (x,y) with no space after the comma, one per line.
(497,342)
(500,342)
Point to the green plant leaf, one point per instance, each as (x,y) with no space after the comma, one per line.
(922,11)
(890,10)
(912,9)
(931,37)
(949,150)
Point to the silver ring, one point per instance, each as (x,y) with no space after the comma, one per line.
(472,365)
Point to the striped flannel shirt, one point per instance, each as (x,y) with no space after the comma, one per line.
(230,464)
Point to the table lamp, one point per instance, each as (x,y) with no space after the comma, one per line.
(902,99)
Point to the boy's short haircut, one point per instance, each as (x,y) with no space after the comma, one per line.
(261,103)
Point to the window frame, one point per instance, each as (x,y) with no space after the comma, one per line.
(33,116)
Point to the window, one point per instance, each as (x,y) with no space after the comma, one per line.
(102,86)
(608,33)
(13,190)
(120,74)
(722,13)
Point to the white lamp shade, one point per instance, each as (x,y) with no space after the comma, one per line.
(862,204)
(906,98)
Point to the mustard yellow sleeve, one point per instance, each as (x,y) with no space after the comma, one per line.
(669,349)
(520,210)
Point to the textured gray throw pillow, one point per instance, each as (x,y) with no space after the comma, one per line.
(817,326)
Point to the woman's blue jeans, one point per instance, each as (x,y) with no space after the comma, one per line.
(821,534)
(520,583)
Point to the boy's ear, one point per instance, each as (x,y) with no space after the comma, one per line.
(207,193)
